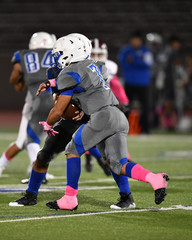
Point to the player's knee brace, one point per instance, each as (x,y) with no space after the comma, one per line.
(44,157)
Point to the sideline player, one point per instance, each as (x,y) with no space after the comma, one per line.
(57,143)
(29,68)
(99,52)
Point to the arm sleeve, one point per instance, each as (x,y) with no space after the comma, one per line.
(118,90)
(67,81)
(16,58)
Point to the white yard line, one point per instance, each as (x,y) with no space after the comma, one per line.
(177,207)
(14,188)
(9,189)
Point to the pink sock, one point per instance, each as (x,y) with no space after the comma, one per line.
(9,159)
(71,191)
(139,173)
(128,156)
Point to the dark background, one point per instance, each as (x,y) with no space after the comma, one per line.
(110,20)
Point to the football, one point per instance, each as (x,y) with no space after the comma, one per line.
(69,112)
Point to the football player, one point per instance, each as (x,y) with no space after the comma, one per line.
(57,142)
(29,68)
(99,52)
(82,81)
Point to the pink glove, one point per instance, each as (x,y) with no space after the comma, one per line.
(48,129)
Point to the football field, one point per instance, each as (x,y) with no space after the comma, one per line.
(94,219)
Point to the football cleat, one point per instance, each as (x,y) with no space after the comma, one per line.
(125,202)
(162,192)
(104,166)
(65,203)
(29,199)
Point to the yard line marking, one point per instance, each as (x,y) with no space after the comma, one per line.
(48,189)
(16,188)
(177,207)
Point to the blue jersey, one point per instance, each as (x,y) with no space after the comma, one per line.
(135,65)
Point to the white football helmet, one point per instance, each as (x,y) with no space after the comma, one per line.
(85,40)
(99,50)
(42,40)
(69,49)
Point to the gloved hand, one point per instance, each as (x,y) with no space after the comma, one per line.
(48,129)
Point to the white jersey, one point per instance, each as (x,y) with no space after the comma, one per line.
(112,69)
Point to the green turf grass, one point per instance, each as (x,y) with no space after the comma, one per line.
(175,224)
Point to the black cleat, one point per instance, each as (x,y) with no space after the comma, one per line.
(29,199)
(125,202)
(104,166)
(53,205)
(88,163)
(161,192)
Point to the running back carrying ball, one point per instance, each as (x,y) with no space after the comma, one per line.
(69,113)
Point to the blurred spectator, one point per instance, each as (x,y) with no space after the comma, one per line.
(174,77)
(135,61)
(154,41)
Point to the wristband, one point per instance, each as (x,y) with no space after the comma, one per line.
(52,82)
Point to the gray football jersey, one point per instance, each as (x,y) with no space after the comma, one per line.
(85,81)
(34,64)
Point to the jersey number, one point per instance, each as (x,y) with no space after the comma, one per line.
(95,69)
(32,61)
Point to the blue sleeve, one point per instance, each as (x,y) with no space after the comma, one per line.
(54,90)
(16,58)
(68,92)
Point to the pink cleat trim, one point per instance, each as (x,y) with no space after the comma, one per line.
(157,181)
(67,202)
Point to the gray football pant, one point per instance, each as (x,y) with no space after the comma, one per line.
(107,129)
